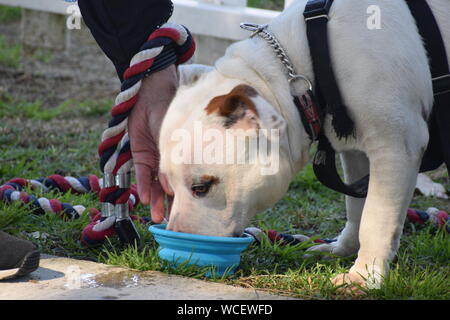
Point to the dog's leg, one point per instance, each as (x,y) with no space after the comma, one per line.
(429,188)
(394,164)
(356,166)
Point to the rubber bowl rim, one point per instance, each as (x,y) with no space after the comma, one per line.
(160,230)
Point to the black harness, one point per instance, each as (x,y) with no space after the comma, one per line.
(328,94)
(438,150)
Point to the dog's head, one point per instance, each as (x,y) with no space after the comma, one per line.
(223,156)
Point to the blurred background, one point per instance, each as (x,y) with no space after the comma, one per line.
(57,86)
(47,53)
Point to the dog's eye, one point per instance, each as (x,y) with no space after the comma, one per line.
(200,189)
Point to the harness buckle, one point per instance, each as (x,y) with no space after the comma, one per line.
(441,84)
(317,17)
(317,9)
(294,77)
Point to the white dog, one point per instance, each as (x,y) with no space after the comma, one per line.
(385,81)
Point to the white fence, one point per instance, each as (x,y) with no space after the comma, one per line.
(214,18)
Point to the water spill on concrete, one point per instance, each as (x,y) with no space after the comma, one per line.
(116,280)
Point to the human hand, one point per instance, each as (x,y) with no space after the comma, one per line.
(144,124)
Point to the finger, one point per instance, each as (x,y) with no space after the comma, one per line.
(157,202)
(144,182)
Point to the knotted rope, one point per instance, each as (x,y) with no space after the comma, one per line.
(99,229)
(13,190)
(438,218)
(170,44)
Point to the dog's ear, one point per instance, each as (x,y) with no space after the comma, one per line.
(190,73)
(236,106)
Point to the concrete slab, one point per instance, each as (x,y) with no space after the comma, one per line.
(68,279)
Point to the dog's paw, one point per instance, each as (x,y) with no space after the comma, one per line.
(334,249)
(324,248)
(429,188)
(350,283)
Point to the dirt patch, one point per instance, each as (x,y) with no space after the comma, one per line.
(80,72)
(52,88)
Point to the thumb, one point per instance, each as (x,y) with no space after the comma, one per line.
(144,182)
(157,202)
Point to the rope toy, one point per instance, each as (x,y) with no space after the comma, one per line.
(12,190)
(99,229)
(282,238)
(438,218)
(170,44)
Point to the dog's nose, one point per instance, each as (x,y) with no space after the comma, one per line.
(170,226)
(180,230)
(174,226)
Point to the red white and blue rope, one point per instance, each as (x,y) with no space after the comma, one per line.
(439,219)
(170,44)
(13,190)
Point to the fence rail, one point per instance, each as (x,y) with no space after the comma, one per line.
(201,17)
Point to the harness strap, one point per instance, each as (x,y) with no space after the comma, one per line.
(434,45)
(316,18)
(324,164)
(438,150)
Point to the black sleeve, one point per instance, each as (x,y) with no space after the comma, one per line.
(120,27)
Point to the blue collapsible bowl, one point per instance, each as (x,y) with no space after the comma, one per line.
(221,253)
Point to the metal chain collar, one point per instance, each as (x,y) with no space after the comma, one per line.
(261,30)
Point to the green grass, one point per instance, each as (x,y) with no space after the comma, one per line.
(42,55)
(37,141)
(266,4)
(11,107)
(9,53)
(9,50)
(10,14)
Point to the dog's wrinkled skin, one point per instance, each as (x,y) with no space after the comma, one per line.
(386,84)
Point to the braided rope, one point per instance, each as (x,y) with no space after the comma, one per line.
(172,43)
(439,219)
(12,190)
